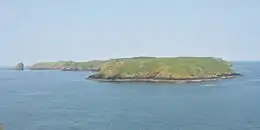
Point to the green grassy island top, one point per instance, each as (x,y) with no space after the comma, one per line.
(177,68)
(68,65)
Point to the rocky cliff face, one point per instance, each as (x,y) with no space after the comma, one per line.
(19,66)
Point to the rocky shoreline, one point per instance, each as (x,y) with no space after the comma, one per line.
(75,69)
(163,80)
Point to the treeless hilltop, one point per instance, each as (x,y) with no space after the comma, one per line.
(164,69)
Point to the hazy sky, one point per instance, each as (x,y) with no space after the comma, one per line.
(50,30)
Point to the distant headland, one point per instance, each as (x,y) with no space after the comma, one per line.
(68,66)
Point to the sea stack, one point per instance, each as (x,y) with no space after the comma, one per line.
(19,66)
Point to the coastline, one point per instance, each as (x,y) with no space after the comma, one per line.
(154,80)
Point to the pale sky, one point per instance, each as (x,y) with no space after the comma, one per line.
(81,30)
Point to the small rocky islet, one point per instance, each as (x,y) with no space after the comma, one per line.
(149,69)
(19,66)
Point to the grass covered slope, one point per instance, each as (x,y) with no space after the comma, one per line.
(68,65)
(151,68)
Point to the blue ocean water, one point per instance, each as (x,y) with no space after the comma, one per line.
(56,100)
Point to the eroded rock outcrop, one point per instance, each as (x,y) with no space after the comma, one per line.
(19,66)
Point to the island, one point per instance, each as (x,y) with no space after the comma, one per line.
(164,69)
(19,66)
(68,66)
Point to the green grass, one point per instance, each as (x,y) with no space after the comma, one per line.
(67,64)
(185,67)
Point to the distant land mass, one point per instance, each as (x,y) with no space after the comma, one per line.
(68,65)
(162,69)
(148,69)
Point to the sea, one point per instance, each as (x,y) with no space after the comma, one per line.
(59,100)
